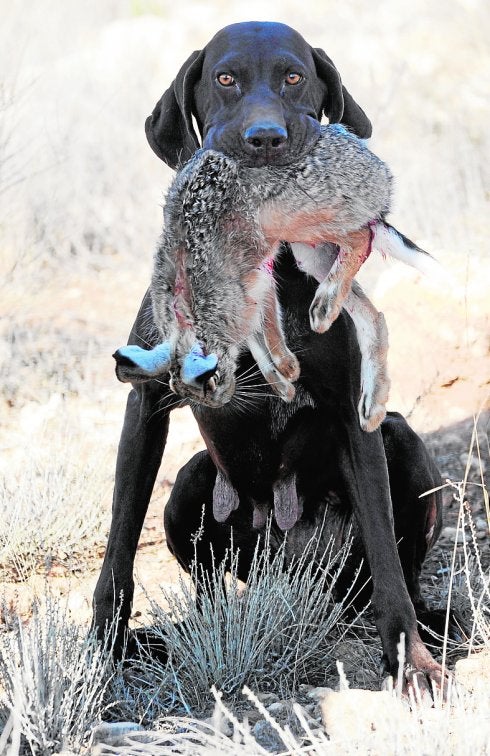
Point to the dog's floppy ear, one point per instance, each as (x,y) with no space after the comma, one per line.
(169,129)
(339,105)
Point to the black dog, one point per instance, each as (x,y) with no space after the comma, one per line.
(257,92)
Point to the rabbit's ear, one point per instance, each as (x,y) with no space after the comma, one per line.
(169,128)
(137,365)
(338,105)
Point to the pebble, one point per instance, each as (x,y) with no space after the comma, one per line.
(317,694)
(267,698)
(220,724)
(113,733)
(266,736)
(450,533)
(276,708)
(251,716)
(481,524)
(474,462)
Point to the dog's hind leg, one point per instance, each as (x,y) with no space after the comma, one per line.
(372,336)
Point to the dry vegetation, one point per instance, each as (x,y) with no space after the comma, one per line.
(79,213)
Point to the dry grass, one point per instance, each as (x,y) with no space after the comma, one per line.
(53,681)
(51,510)
(282,630)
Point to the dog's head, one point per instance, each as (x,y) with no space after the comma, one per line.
(257,92)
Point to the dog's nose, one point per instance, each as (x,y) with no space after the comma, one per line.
(265,135)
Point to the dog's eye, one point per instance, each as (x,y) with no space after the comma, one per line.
(293,78)
(225,79)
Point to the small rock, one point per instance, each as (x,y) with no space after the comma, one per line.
(252,716)
(267,698)
(220,724)
(317,694)
(276,708)
(113,733)
(450,533)
(481,524)
(303,711)
(310,707)
(266,736)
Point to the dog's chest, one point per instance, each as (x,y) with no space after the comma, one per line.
(281,413)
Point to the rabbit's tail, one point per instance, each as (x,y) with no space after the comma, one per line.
(390,242)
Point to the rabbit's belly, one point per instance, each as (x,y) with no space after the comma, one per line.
(291,224)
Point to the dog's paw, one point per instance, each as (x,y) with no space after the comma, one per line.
(421,678)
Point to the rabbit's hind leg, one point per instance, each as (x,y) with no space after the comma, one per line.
(372,336)
(330,296)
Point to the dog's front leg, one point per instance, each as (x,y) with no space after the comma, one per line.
(364,469)
(139,455)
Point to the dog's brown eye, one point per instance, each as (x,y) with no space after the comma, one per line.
(226,80)
(293,78)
